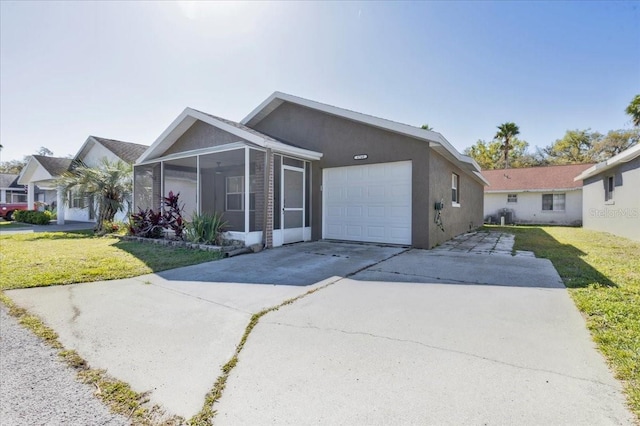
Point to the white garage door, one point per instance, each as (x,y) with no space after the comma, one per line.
(369,203)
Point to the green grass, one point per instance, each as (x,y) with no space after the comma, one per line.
(44,259)
(602,273)
(6,226)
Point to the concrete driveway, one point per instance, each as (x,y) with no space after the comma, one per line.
(169,333)
(408,342)
(449,336)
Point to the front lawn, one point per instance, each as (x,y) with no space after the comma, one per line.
(602,272)
(52,258)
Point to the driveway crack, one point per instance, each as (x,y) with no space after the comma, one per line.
(443,349)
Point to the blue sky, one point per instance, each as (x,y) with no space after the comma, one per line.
(125,70)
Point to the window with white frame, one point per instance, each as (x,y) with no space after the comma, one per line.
(235,194)
(455,192)
(553,202)
(512,198)
(610,187)
(77,200)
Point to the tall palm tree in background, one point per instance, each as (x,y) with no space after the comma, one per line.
(506,132)
(634,110)
(426,127)
(110,184)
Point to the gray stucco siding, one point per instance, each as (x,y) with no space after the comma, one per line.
(620,216)
(455,220)
(202,135)
(340,140)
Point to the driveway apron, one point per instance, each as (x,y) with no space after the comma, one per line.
(410,341)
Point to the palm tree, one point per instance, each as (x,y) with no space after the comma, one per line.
(110,183)
(426,127)
(506,132)
(634,110)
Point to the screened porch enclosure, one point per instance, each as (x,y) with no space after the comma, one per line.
(234,183)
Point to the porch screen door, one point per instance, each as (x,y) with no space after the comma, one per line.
(292,219)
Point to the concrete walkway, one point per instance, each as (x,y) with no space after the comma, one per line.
(483,242)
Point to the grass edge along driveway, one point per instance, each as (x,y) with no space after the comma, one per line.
(57,258)
(602,274)
(54,258)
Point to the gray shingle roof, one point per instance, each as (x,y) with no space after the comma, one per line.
(129,152)
(239,126)
(8,180)
(54,165)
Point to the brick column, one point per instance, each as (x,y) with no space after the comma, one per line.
(268,201)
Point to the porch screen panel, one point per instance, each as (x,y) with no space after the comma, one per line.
(146,181)
(181,177)
(222,186)
(257,187)
(277,176)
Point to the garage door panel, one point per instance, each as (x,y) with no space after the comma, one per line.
(375,212)
(368,203)
(354,212)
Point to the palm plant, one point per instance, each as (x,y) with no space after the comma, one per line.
(634,110)
(110,183)
(506,132)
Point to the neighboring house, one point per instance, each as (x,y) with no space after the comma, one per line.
(298,170)
(611,195)
(44,172)
(539,195)
(10,191)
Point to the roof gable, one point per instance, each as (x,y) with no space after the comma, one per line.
(189,116)
(435,139)
(40,167)
(126,151)
(9,180)
(534,178)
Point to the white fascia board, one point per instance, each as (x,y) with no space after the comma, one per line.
(28,171)
(283,148)
(168,136)
(435,139)
(612,162)
(181,124)
(84,146)
(481,178)
(194,152)
(520,191)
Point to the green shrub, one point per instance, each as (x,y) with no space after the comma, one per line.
(114,227)
(205,228)
(32,216)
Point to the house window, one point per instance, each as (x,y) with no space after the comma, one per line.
(609,188)
(512,198)
(553,202)
(455,193)
(235,193)
(76,200)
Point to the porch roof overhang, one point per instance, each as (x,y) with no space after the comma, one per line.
(623,157)
(435,140)
(248,137)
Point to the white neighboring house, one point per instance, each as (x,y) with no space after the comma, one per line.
(611,195)
(10,191)
(535,195)
(43,172)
